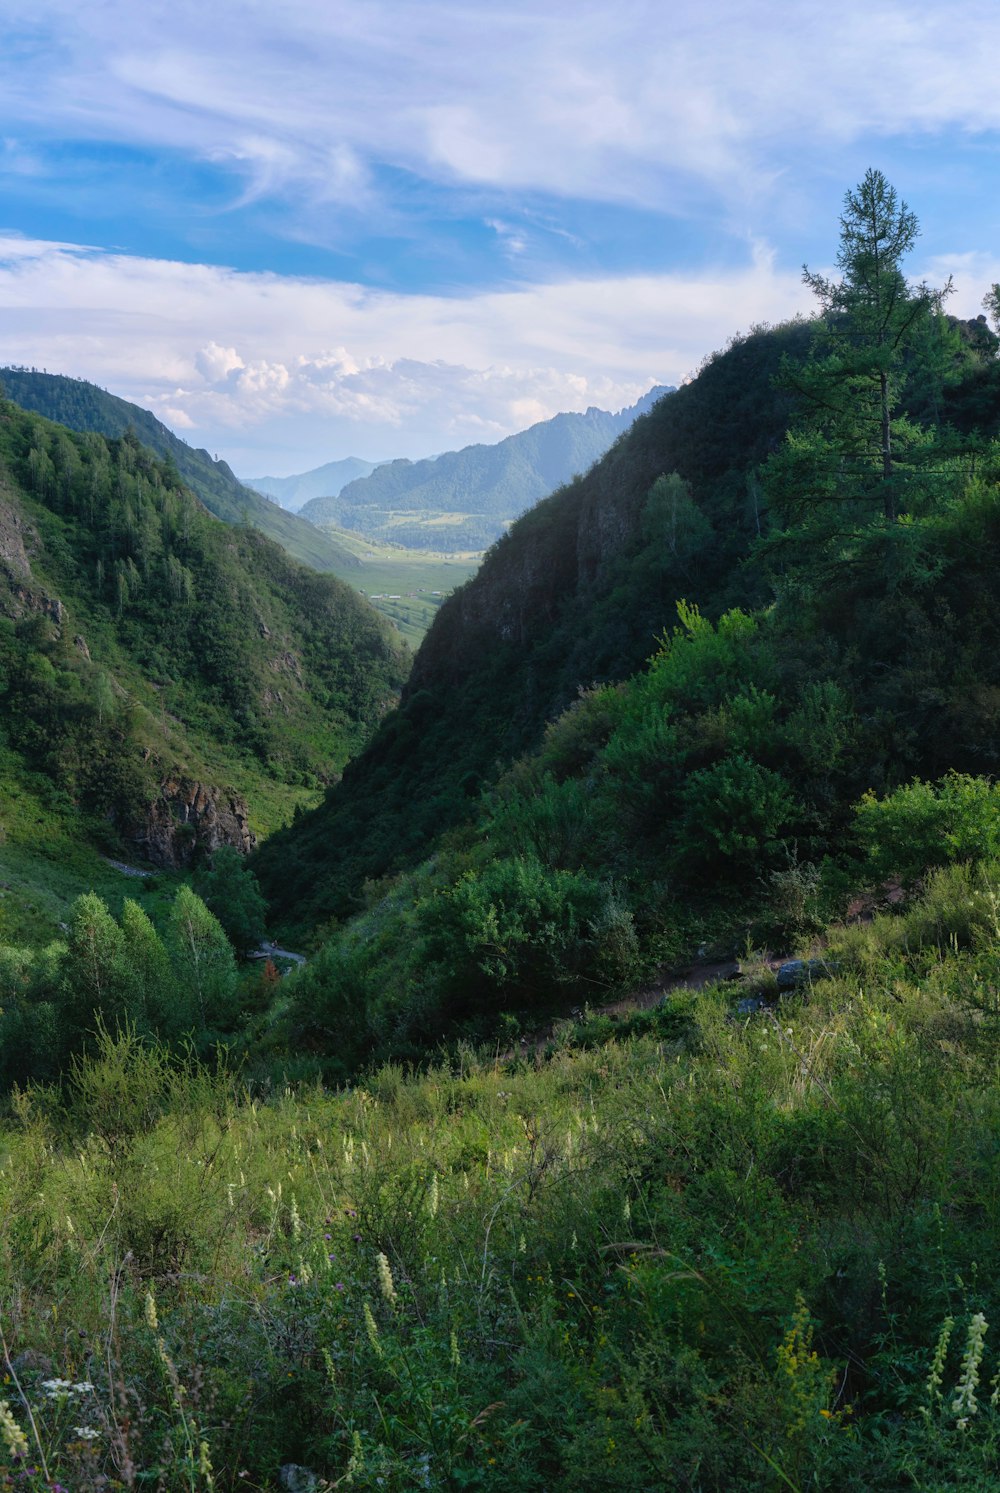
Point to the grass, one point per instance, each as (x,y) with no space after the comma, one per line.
(722,1252)
(406,585)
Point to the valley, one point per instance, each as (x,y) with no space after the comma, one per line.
(508,1183)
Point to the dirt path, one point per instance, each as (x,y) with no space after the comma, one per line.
(271,951)
(126,870)
(698,976)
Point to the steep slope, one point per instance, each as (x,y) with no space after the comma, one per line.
(177,679)
(578,591)
(328,480)
(84,407)
(484,487)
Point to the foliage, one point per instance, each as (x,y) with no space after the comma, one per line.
(738,1255)
(143,641)
(230,891)
(84,407)
(921,825)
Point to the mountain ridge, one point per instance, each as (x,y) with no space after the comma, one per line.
(486,485)
(83,406)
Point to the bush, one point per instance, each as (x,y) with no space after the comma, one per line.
(926,824)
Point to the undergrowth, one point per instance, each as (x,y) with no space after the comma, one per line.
(709,1251)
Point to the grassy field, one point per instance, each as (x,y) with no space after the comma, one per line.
(708,1251)
(406,585)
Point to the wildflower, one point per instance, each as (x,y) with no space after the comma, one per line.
(84,1387)
(385,1280)
(965,1403)
(11,1433)
(55,1387)
(86,1433)
(152,1321)
(456,1357)
(937,1367)
(204,1464)
(371,1327)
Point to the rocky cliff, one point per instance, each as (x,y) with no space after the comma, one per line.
(189,820)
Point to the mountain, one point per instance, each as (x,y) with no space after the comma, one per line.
(324,481)
(463,500)
(578,591)
(585,588)
(167,682)
(84,407)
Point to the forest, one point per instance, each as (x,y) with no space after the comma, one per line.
(633,1120)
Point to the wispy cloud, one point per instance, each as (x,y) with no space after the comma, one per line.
(605,192)
(622,103)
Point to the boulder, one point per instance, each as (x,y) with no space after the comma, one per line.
(795,973)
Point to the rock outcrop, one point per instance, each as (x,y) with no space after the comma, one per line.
(189,819)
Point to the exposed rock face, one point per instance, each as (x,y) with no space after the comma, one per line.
(189,819)
(13,554)
(18,541)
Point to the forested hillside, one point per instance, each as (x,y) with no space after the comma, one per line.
(578,591)
(84,407)
(151,654)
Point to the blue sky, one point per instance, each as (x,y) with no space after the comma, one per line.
(316,230)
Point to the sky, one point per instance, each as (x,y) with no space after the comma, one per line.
(396,227)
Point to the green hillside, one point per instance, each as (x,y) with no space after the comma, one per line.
(579,591)
(84,407)
(156,665)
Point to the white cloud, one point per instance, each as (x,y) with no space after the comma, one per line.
(240,353)
(627,103)
(280,373)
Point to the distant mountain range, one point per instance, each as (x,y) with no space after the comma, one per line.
(461,500)
(325,481)
(83,406)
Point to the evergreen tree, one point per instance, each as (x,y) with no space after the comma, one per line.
(852,443)
(231,891)
(150,968)
(98,980)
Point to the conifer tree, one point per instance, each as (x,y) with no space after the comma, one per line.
(852,443)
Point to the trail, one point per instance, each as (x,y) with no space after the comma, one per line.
(668,980)
(271,951)
(125,869)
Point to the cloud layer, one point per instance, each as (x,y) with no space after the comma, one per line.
(450,219)
(229,357)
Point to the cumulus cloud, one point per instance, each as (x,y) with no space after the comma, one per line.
(284,373)
(237,353)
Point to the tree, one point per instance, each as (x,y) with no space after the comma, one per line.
(231,892)
(99,982)
(852,432)
(203,962)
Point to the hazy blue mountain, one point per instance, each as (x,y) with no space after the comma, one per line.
(83,406)
(484,486)
(324,481)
